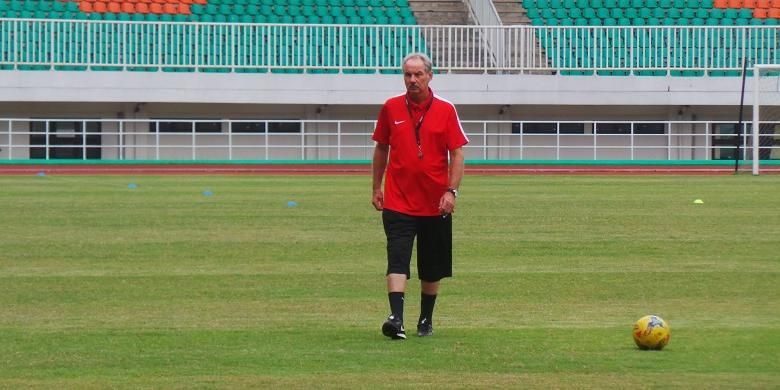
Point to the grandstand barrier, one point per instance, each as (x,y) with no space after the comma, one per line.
(126,45)
(23,139)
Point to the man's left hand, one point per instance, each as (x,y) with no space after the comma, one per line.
(447,203)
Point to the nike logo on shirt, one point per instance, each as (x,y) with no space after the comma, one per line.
(398,122)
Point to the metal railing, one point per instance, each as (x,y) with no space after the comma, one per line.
(313,140)
(237,47)
(485,14)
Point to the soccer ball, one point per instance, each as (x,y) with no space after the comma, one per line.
(651,332)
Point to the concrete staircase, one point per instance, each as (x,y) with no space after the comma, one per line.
(440,12)
(456,12)
(511,12)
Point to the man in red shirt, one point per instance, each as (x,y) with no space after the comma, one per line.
(419,153)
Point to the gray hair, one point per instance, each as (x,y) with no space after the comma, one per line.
(421,56)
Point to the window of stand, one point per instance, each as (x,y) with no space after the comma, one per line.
(216,127)
(625,128)
(548,128)
(185,127)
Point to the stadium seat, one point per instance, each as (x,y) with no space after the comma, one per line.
(656,13)
(395,12)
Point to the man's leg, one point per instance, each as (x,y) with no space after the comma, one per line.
(394,326)
(430,288)
(396,286)
(428,293)
(400,230)
(434,261)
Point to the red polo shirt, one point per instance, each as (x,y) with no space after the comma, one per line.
(414,185)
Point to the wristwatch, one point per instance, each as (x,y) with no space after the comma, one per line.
(453,191)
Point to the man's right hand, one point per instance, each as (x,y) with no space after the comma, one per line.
(378,200)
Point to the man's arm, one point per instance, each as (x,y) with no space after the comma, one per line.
(457,162)
(381,151)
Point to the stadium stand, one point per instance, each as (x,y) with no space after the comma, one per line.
(661,42)
(215,42)
(303,79)
(578,37)
(236,11)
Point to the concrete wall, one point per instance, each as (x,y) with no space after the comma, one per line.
(135,95)
(325,89)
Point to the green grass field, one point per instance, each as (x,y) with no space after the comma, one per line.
(162,286)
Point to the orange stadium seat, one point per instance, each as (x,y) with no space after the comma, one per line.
(142,8)
(721,3)
(128,7)
(155,8)
(762,3)
(760,13)
(99,6)
(774,13)
(184,9)
(775,3)
(735,3)
(749,4)
(169,8)
(85,7)
(114,7)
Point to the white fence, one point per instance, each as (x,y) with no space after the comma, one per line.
(310,140)
(39,44)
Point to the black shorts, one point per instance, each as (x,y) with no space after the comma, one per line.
(434,244)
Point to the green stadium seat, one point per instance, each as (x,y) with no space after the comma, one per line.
(589,13)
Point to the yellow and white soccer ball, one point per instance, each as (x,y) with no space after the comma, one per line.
(651,332)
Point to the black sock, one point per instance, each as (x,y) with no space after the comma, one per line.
(396,305)
(426,307)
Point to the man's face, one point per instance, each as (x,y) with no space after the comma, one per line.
(416,77)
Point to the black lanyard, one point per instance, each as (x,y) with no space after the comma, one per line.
(419,123)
